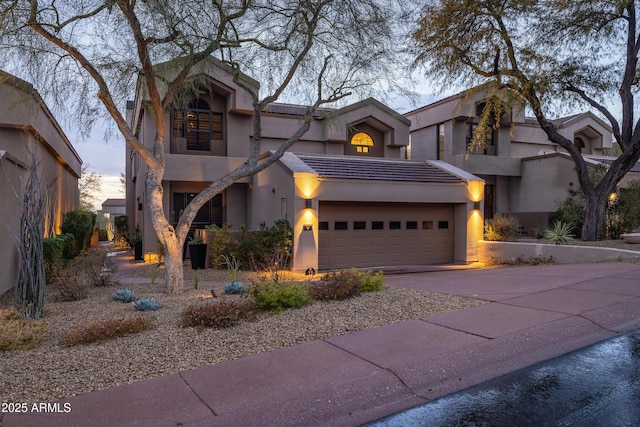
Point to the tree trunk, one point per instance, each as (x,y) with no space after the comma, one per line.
(593,227)
(174,275)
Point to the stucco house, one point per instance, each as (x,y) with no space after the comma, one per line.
(345,187)
(524,173)
(27,124)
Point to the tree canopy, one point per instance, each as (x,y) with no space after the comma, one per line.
(551,55)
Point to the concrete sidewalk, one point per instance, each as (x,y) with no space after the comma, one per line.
(536,313)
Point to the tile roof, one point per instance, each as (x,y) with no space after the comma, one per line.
(609,162)
(348,167)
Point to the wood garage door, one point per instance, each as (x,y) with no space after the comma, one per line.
(379,234)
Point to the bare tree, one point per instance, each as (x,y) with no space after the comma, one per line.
(317,50)
(90,184)
(29,291)
(548,54)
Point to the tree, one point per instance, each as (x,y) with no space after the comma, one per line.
(89,185)
(319,50)
(547,53)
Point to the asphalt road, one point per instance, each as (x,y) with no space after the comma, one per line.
(595,386)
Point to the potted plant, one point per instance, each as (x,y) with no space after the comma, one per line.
(197,252)
(135,241)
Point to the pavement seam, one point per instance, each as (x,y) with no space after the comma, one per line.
(405,385)
(196,394)
(426,320)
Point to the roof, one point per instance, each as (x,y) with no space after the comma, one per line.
(114,202)
(294,110)
(609,162)
(350,167)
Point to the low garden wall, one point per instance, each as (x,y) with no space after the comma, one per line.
(564,254)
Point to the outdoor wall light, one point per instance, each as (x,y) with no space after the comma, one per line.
(476,206)
(308,203)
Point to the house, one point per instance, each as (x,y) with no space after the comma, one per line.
(525,174)
(111,208)
(352,198)
(27,124)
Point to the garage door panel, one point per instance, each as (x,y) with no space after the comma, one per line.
(409,234)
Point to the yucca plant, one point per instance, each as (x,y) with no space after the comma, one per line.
(559,233)
(125,295)
(146,304)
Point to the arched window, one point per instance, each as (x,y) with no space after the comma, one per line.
(198,124)
(579,143)
(362,141)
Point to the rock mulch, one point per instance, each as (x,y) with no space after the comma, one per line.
(50,371)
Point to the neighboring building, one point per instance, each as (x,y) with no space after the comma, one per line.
(525,174)
(347,191)
(26,123)
(111,208)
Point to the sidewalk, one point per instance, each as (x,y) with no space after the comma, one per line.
(536,313)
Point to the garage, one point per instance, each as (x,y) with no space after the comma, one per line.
(382,234)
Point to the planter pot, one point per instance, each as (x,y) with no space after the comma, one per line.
(198,255)
(137,252)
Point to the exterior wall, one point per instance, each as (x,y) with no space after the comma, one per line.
(27,124)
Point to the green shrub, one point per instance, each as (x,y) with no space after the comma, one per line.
(79,223)
(370,281)
(107,329)
(503,228)
(102,235)
(221,243)
(559,233)
(121,223)
(219,314)
(18,333)
(276,296)
(268,249)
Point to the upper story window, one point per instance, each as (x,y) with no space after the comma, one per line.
(362,141)
(198,124)
(440,142)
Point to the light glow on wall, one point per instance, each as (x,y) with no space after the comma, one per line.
(306,184)
(476,190)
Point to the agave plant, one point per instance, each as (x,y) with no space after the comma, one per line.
(125,295)
(559,233)
(234,288)
(146,304)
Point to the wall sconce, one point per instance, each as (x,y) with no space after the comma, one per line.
(308,203)
(476,206)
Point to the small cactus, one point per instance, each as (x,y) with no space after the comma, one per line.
(234,288)
(146,304)
(125,295)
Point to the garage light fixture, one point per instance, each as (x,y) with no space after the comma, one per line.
(476,206)
(308,203)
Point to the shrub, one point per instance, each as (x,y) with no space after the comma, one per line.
(70,282)
(219,314)
(99,267)
(559,233)
(18,333)
(124,295)
(336,286)
(121,223)
(502,228)
(370,281)
(79,223)
(107,329)
(221,243)
(268,249)
(147,304)
(276,296)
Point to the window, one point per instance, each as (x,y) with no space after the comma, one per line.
(341,225)
(199,125)
(427,225)
(412,225)
(394,225)
(359,225)
(323,225)
(440,142)
(377,225)
(443,225)
(362,141)
(210,213)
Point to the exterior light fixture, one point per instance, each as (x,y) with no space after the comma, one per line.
(476,206)
(308,203)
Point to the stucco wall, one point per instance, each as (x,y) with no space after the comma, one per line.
(565,254)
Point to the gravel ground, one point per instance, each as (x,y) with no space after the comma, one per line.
(51,371)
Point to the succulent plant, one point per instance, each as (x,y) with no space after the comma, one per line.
(146,304)
(234,288)
(125,295)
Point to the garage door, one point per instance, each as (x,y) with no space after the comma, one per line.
(380,234)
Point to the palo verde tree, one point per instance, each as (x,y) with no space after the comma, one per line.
(91,51)
(547,53)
